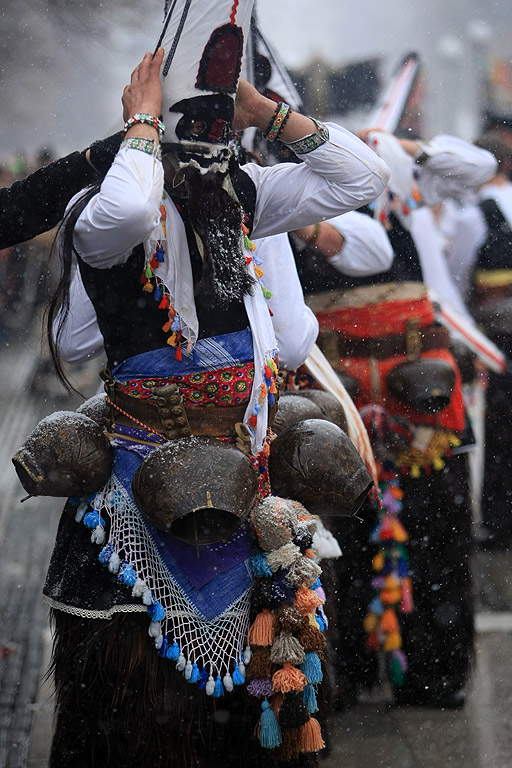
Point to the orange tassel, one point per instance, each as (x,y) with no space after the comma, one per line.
(289,678)
(370,623)
(178,354)
(148,287)
(306,600)
(311,553)
(245,230)
(389,621)
(393,641)
(261,631)
(273,388)
(311,736)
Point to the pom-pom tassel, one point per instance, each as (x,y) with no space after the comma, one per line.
(312,639)
(311,736)
(227,682)
(293,712)
(210,686)
(270,733)
(312,668)
(283,557)
(260,665)
(286,647)
(289,678)
(261,631)
(306,600)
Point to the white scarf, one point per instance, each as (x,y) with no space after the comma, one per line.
(175,276)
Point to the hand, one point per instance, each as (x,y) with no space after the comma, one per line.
(144,94)
(363,135)
(249,104)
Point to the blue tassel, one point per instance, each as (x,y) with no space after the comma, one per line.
(127,575)
(105,554)
(93,519)
(173,652)
(156,611)
(321,623)
(316,584)
(160,254)
(309,697)
(312,668)
(203,679)
(260,566)
(271,399)
(256,409)
(238,678)
(195,676)
(157,295)
(163,648)
(387,567)
(176,324)
(270,733)
(403,568)
(376,606)
(219,688)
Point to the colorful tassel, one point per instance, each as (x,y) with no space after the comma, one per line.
(238,678)
(270,733)
(173,652)
(312,668)
(311,736)
(289,678)
(218,689)
(261,631)
(286,647)
(309,696)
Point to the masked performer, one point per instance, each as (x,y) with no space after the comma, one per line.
(384,335)
(207,346)
(481,257)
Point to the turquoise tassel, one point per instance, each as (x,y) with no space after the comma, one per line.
(163,648)
(219,688)
(309,697)
(312,668)
(196,675)
(173,652)
(270,733)
(259,565)
(238,678)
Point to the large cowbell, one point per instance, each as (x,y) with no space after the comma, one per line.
(204,44)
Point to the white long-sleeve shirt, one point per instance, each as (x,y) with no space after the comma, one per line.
(339,176)
(295,325)
(366,248)
(471,233)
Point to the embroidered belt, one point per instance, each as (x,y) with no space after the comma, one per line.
(165,413)
(415,341)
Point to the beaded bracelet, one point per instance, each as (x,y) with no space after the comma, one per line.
(277,122)
(143,118)
(143,145)
(312,141)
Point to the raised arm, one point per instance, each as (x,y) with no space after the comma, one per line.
(338,174)
(127,207)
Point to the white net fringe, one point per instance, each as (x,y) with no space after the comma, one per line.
(216,644)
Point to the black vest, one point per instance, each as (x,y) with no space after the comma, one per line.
(496,252)
(316,274)
(129,318)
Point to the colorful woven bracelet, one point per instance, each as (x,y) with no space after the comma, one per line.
(144,145)
(278,121)
(143,118)
(312,141)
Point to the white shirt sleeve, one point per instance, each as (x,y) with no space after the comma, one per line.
(81,339)
(453,167)
(123,213)
(339,176)
(433,262)
(469,235)
(366,249)
(295,325)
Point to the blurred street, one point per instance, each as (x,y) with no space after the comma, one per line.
(374,733)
